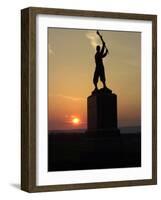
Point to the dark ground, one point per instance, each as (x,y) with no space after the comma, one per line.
(78,151)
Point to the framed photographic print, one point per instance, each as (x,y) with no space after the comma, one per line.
(88,99)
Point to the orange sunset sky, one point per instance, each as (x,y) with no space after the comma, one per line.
(71,67)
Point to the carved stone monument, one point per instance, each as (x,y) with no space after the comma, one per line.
(102,104)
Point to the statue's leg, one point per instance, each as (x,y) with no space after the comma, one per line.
(102,77)
(95,78)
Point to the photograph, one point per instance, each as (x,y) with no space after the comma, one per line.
(94,99)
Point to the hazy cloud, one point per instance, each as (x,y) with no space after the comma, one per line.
(71,98)
(50,50)
(93,38)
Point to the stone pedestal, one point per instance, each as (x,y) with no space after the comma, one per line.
(102,112)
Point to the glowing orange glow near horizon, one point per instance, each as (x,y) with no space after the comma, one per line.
(76,121)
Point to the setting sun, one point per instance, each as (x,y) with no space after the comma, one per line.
(75,120)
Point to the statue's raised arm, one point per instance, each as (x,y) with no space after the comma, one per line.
(103,42)
(98,33)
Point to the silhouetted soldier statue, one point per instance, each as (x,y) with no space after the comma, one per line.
(102,103)
(99,71)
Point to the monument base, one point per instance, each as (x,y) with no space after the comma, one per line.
(102,112)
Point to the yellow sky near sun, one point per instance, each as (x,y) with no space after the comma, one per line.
(70,72)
